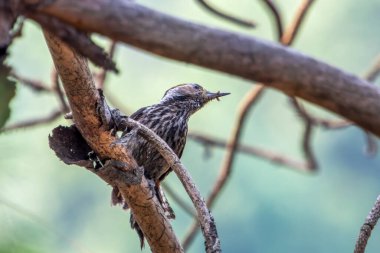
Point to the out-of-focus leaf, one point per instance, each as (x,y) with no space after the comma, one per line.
(15,248)
(7,92)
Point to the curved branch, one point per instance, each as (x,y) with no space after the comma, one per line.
(205,218)
(276,66)
(225,16)
(85,103)
(226,168)
(276,17)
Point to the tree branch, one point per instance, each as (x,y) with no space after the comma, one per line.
(225,16)
(227,164)
(276,66)
(33,122)
(276,17)
(205,218)
(254,151)
(367,227)
(84,101)
(245,106)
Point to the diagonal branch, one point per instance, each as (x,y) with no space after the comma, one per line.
(247,103)
(245,106)
(367,227)
(205,218)
(178,199)
(276,66)
(86,104)
(291,32)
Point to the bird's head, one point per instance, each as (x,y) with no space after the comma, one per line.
(191,94)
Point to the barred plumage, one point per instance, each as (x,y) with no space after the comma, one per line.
(168,119)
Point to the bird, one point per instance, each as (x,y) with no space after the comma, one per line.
(169,120)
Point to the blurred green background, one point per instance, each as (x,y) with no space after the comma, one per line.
(46,206)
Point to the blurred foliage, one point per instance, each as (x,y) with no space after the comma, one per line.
(7,92)
(264,208)
(16,248)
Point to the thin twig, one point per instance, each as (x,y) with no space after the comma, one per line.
(178,199)
(374,71)
(367,227)
(247,103)
(271,156)
(371,140)
(307,147)
(223,15)
(287,39)
(276,16)
(292,30)
(101,77)
(306,139)
(33,122)
(35,85)
(58,90)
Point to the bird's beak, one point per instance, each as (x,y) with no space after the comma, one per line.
(217,95)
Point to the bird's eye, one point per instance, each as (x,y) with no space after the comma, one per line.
(197,87)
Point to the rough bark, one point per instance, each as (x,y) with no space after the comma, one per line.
(276,66)
(84,101)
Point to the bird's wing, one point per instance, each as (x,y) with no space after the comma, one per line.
(138,114)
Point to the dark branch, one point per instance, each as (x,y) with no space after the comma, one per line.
(225,16)
(276,17)
(101,77)
(35,85)
(33,122)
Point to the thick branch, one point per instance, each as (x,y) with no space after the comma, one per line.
(84,101)
(254,59)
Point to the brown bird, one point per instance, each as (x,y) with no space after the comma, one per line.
(168,119)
